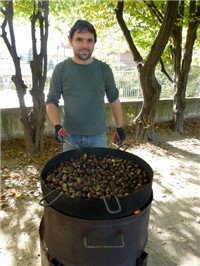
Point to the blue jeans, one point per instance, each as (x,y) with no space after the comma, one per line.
(86,141)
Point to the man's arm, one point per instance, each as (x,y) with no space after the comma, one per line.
(53,114)
(54,117)
(117,113)
(119,135)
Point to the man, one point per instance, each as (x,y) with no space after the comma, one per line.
(83,81)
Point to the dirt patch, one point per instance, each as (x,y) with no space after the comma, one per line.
(174,226)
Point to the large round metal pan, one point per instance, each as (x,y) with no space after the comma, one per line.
(100,209)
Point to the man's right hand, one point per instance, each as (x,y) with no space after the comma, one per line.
(60,133)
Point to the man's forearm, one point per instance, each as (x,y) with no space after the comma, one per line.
(117,113)
(53,113)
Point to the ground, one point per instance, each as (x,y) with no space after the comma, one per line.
(174,226)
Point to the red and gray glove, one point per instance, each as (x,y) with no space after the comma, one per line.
(60,133)
(119,136)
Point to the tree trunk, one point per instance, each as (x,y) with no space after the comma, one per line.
(150,87)
(182,62)
(34,121)
(182,66)
(151,94)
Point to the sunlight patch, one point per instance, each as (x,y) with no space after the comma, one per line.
(23,240)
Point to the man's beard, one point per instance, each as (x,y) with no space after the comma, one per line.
(83,55)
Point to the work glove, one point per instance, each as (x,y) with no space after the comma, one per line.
(119,136)
(60,133)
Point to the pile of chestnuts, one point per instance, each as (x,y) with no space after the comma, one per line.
(94,177)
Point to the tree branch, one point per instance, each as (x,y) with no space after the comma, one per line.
(119,15)
(163,35)
(163,70)
(153,8)
(193,25)
(4,36)
(7,11)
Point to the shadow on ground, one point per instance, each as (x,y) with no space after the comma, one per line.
(19,225)
(174,220)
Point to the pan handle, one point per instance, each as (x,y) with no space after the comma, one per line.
(123,146)
(120,245)
(109,210)
(43,201)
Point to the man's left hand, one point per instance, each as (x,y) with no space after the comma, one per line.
(119,136)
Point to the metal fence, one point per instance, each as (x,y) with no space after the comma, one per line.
(127,80)
(128,84)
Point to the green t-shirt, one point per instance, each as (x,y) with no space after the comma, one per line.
(83,88)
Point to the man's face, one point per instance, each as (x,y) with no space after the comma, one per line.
(83,45)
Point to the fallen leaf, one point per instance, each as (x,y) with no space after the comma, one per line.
(198,219)
(170,227)
(9,185)
(19,195)
(183,239)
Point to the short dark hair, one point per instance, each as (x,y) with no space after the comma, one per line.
(81,25)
